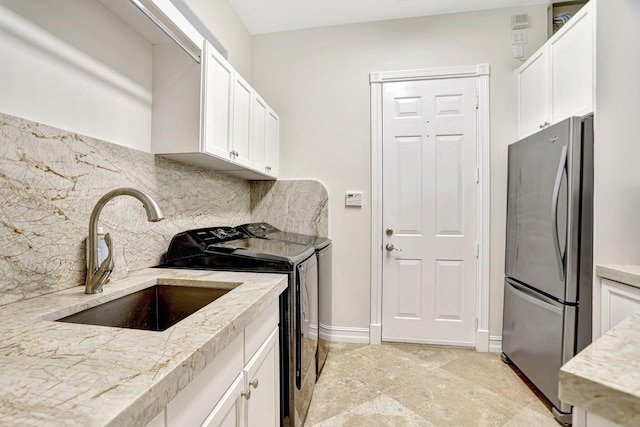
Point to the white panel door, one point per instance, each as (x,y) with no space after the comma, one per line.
(429,211)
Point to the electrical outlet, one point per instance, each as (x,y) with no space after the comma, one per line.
(519,37)
(518,51)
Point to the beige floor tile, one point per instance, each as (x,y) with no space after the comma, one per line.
(382,411)
(419,385)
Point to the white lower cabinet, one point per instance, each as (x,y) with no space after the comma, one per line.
(618,302)
(582,418)
(262,396)
(240,387)
(229,411)
(253,400)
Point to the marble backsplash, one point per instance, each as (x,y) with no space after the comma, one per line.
(50,180)
(295,206)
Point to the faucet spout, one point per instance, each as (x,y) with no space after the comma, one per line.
(97,275)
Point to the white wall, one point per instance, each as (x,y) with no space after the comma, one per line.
(617,136)
(73,65)
(219,17)
(317,81)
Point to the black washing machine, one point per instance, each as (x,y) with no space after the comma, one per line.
(322,246)
(228,249)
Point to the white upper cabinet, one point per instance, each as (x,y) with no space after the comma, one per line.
(533,99)
(272,138)
(557,81)
(240,140)
(203,114)
(264,147)
(572,63)
(216,103)
(259,111)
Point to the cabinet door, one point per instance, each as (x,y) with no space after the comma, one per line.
(194,403)
(272,142)
(532,88)
(572,64)
(216,103)
(229,410)
(618,302)
(242,94)
(258,121)
(262,376)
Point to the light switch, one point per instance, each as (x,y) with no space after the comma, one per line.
(519,37)
(353,199)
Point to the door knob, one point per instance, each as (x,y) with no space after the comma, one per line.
(389,231)
(391,248)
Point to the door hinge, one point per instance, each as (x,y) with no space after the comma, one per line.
(477,101)
(476,323)
(477,175)
(477,250)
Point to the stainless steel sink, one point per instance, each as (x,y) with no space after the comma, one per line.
(153,309)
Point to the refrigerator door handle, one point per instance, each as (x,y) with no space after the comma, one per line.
(554,212)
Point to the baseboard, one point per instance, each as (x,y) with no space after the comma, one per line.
(495,344)
(375,334)
(346,334)
(482,340)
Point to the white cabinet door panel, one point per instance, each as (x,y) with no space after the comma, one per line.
(532,93)
(618,302)
(572,65)
(272,142)
(217,93)
(262,376)
(229,410)
(241,126)
(258,142)
(193,403)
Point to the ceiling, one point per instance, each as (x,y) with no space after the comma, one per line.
(268,16)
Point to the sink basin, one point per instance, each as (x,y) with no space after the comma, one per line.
(153,309)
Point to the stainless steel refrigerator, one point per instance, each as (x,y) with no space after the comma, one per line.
(549,256)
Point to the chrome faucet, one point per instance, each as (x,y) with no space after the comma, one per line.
(98,275)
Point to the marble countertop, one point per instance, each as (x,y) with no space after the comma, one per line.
(627,274)
(605,377)
(54,373)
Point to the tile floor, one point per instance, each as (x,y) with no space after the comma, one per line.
(419,385)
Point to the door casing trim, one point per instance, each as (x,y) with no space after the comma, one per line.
(481,72)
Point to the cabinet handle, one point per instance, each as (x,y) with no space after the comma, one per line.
(246,394)
(268,168)
(234,153)
(544,125)
(253,383)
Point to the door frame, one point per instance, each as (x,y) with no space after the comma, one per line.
(481,72)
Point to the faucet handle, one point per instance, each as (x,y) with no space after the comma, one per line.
(109,258)
(101,275)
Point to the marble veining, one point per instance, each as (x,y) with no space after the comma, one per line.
(297,206)
(50,179)
(604,378)
(68,374)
